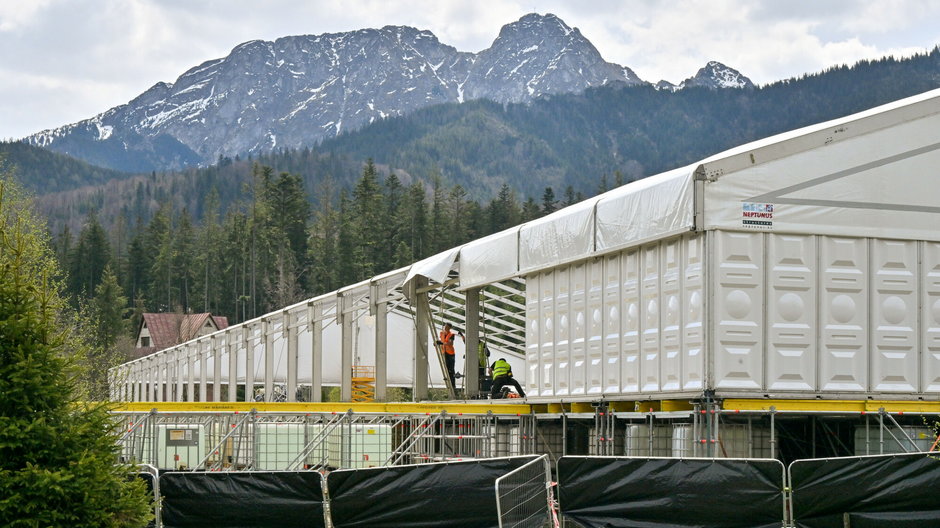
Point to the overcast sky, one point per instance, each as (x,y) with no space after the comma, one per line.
(66,60)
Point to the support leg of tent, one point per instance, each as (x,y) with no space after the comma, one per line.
(204,352)
(420,389)
(315,326)
(346,327)
(471,370)
(290,334)
(267,339)
(231,341)
(249,364)
(216,369)
(380,309)
(181,359)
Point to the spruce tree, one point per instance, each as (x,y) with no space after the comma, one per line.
(57,455)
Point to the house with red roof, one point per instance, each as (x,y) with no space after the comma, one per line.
(158,331)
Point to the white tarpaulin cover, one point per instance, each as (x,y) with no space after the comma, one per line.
(872,174)
(489,259)
(435,267)
(647,209)
(560,237)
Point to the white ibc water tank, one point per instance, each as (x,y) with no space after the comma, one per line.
(734,441)
(921,437)
(278,444)
(637,440)
(359,446)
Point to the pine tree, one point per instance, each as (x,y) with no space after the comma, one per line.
(323,238)
(208,286)
(394,194)
(57,464)
(347,251)
(530,210)
(160,243)
(366,223)
(105,317)
(90,257)
(413,219)
(184,260)
(549,203)
(439,236)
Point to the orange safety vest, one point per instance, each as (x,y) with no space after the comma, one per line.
(448,339)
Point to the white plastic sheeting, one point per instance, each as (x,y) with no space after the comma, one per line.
(435,267)
(560,237)
(644,210)
(489,259)
(648,209)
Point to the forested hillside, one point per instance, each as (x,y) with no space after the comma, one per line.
(270,249)
(43,171)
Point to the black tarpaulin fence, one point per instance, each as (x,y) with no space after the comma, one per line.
(445,495)
(661,492)
(867,491)
(255,499)
(853,492)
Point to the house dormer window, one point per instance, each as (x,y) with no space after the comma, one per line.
(145,341)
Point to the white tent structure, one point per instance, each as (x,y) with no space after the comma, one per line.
(806,264)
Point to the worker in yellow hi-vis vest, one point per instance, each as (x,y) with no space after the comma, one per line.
(502,376)
(483,355)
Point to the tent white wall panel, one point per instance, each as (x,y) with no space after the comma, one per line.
(533,323)
(843,306)
(791,312)
(693,313)
(562,325)
(738,341)
(930,316)
(578,322)
(650,303)
(671,312)
(630,321)
(545,296)
(894,324)
(613,306)
(595,327)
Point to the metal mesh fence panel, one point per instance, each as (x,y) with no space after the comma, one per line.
(523,496)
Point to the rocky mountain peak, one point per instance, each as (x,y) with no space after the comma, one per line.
(716,75)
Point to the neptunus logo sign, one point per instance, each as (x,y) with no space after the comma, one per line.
(757,215)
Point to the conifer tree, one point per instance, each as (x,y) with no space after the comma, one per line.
(549,203)
(89,258)
(57,456)
(104,319)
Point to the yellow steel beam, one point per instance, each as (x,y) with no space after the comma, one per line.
(835,406)
(331,407)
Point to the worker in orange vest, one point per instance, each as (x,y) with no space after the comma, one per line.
(446,341)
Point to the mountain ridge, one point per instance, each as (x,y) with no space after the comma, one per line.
(296,91)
